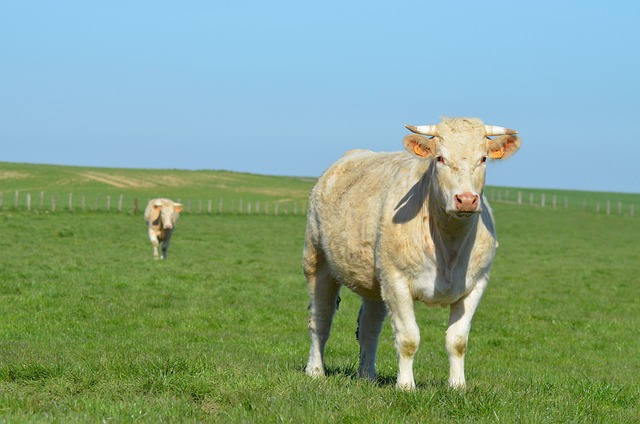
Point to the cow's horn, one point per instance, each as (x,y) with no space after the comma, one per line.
(431,130)
(493,130)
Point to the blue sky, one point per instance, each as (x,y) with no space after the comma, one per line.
(285,88)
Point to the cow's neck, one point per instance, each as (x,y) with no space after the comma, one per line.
(452,237)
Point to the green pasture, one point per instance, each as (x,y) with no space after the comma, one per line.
(92,329)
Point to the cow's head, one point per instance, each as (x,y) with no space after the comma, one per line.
(459,149)
(168,212)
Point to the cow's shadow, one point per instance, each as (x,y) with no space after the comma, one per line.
(382,379)
(351,372)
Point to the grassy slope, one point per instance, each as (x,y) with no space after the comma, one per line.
(59,181)
(92,329)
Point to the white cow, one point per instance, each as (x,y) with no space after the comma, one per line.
(161,216)
(396,228)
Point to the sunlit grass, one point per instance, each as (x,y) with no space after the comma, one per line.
(93,329)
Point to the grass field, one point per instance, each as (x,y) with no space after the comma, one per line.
(93,329)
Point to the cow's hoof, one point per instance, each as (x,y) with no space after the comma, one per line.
(407,386)
(315,372)
(457,385)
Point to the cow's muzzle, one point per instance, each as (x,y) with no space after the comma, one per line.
(467,202)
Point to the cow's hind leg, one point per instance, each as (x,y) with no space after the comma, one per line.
(165,243)
(323,293)
(370,319)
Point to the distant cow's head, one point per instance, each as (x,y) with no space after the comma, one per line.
(168,212)
(459,148)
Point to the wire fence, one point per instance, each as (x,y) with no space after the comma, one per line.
(540,199)
(43,202)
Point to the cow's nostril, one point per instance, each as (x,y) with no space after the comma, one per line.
(466,202)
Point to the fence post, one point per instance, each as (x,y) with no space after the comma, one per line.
(608,207)
(17,198)
(209,206)
(530,199)
(120,200)
(108,203)
(29,202)
(519,198)
(53,203)
(554,201)
(1,200)
(220,206)
(83,202)
(619,208)
(70,202)
(542,200)
(42,200)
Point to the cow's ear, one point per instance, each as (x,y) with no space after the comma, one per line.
(177,207)
(502,147)
(419,146)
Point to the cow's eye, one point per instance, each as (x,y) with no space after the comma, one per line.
(440,159)
(483,160)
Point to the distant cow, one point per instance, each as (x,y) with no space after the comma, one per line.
(161,216)
(396,228)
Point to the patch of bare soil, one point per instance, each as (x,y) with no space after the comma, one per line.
(13,175)
(118,180)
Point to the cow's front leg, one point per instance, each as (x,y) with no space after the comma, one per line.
(154,241)
(458,334)
(407,334)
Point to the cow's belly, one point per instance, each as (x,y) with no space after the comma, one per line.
(354,269)
(159,232)
(358,277)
